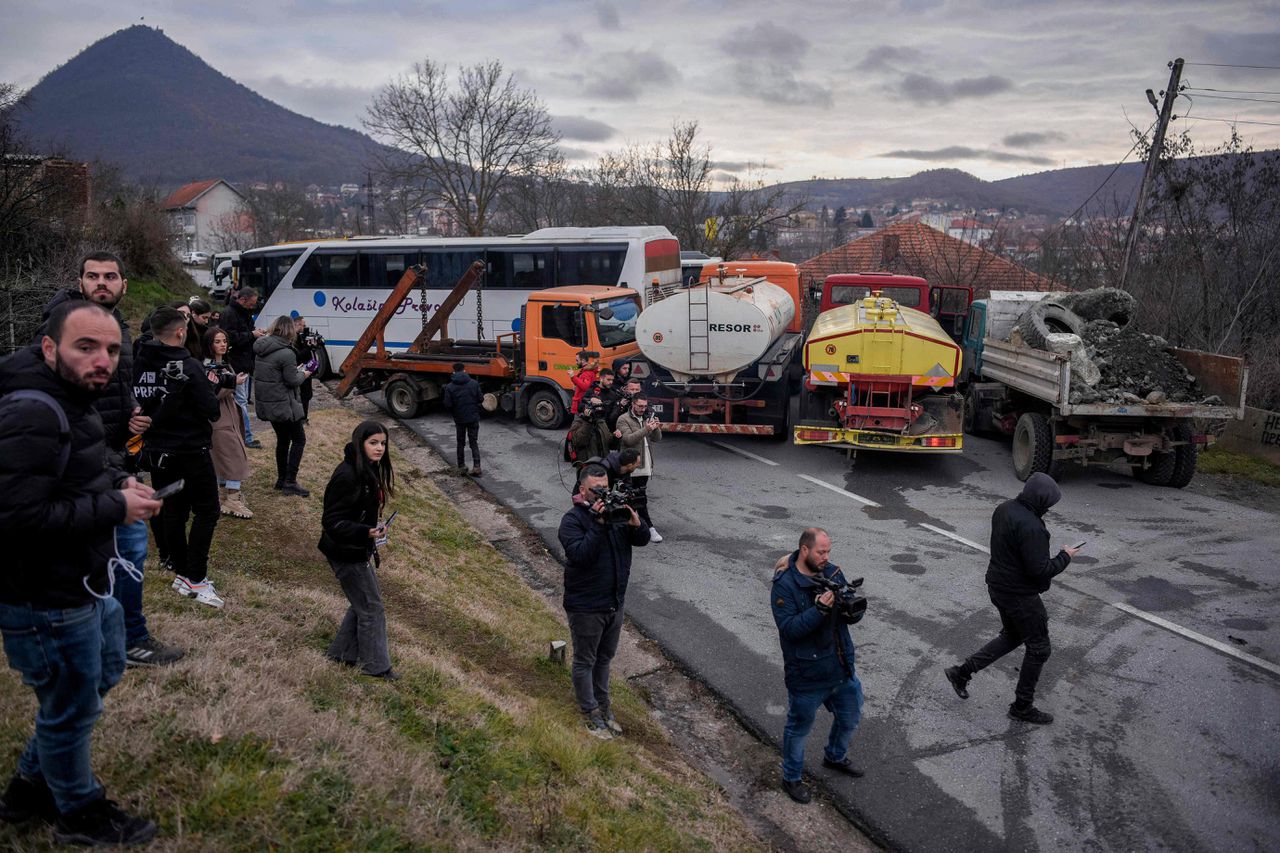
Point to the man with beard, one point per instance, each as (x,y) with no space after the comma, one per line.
(587,434)
(102,282)
(241,330)
(59,507)
(818,661)
(1019,571)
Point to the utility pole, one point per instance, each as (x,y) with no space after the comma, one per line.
(368,198)
(1157,145)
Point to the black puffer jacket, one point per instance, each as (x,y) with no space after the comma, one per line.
(462,396)
(57,530)
(182,410)
(597,560)
(1020,562)
(351,506)
(237,322)
(117,401)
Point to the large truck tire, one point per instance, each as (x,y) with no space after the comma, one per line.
(1047,318)
(402,398)
(1033,446)
(813,405)
(1159,469)
(1184,458)
(545,409)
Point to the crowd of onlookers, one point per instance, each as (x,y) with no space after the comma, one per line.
(101,435)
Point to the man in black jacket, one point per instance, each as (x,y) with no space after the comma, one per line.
(1020,569)
(102,281)
(181,398)
(588,434)
(463,396)
(597,569)
(59,507)
(237,322)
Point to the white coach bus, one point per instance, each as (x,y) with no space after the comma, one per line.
(338,285)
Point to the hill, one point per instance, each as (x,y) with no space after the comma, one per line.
(147,104)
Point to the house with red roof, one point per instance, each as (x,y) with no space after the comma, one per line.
(913,248)
(202,213)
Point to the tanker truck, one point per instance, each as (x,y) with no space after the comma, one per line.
(717,354)
(880,376)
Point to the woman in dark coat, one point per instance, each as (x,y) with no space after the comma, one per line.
(276,380)
(353,502)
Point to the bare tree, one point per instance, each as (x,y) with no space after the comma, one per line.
(462,145)
(279,212)
(748,214)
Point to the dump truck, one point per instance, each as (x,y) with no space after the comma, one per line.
(1034,395)
(880,376)
(717,356)
(524,373)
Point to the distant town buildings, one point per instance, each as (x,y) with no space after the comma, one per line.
(200,213)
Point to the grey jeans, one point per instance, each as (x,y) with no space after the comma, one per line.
(595,641)
(362,636)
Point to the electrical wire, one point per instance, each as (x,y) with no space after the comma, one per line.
(1232,91)
(1110,174)
(1237,121)
(1235,98)
(1228,65)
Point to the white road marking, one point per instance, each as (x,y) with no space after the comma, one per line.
(1199,638)
(983,548)
(838,490)
(732,449)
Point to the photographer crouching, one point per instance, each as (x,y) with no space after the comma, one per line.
(597,534)
(813,607)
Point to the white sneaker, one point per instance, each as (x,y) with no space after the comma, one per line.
(202,592)
(178,584)
(654,535)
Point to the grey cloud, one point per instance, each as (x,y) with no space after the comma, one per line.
(319,99)
(742,166)
(1240,49)
(608,16)
(625,74)
(573,40)
(776,84)
(923,89)
(578,154)
(888,56)
(961,152)
(766,40)
(583,128)
(1028,139)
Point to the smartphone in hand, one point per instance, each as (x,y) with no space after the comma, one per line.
(169,490)
(1079,545)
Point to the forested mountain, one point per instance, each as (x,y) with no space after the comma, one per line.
(147,104)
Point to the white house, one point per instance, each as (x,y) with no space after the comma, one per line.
(201,213)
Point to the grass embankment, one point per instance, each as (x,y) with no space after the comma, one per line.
(1216,460)
(146,294)
(256,741)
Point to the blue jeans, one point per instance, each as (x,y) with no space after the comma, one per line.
(243,390)
(843,700)
(131,542)
(71,658)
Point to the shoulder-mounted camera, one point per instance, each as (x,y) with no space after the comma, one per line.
(848,605)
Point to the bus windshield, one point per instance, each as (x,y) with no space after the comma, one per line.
(620,327)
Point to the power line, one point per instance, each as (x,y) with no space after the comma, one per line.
(1234,98)
(1237,121)
(1228,65)
(1111,174)
(1232,91)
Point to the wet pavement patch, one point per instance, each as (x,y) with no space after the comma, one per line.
(1240,624)
(1155,594)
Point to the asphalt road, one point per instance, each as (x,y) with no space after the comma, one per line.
(1161,740)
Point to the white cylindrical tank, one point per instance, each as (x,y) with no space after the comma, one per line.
(714,330)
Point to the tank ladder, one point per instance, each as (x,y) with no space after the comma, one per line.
(699,328)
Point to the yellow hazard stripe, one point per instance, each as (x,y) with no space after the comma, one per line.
(932,381)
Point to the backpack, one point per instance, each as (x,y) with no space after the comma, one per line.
(64,427)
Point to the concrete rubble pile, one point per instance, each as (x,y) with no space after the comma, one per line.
(1111,361)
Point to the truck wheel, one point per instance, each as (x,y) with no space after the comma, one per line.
(1032,446)
(545,409)
(1158,471)
(813,406)
(402,398)
(322,356)
(1184,458)
(971,419)
(1046,318)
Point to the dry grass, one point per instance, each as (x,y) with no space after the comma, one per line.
(256,741)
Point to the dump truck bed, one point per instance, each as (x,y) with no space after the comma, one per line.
(1047,376)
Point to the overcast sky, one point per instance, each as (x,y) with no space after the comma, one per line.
(828,88)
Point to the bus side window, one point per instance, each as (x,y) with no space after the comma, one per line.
(445,268)
(594,266)
(560,321)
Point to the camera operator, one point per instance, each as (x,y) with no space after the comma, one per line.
(818,659)
(621,404)
(307,345)
(588,433)
(636,428)
(597,552)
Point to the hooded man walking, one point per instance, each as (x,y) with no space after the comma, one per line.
(1020,570)
(463,396)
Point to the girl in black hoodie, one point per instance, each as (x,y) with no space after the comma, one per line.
(353,502)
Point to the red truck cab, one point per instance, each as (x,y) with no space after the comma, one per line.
(948,304)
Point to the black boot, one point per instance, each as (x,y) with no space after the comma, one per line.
(1030,714)
(25,799)
(959,680)
(102,823)
(292,488)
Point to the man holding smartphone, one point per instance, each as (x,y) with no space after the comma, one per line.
(1021,568)
(635,429)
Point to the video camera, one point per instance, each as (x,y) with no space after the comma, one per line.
(618,502)
(848,605)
